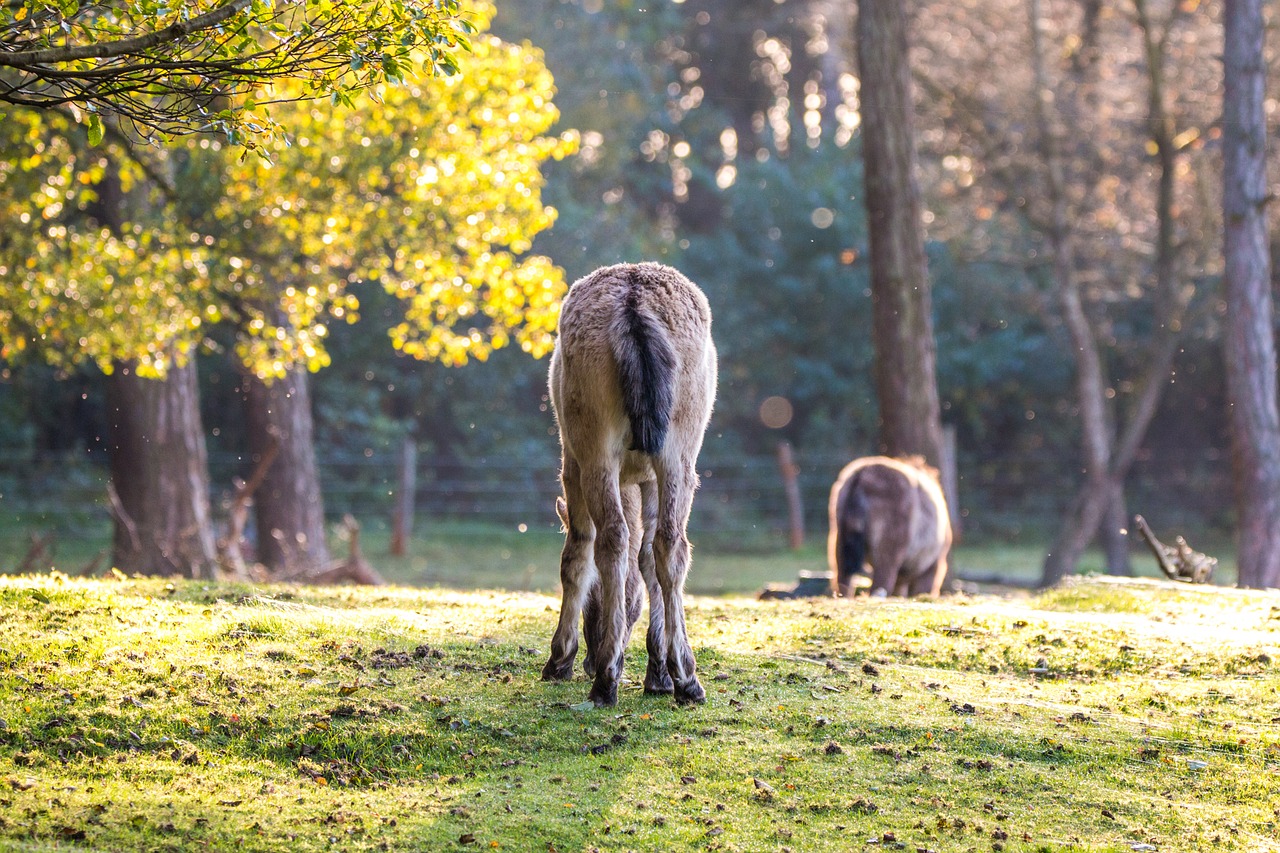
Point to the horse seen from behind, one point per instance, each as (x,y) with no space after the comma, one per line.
(892,514)
(632,381)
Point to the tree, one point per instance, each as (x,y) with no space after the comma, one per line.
(159,475)
(1249,336)
(435,193)
(1105,202)
(160,68)
(906,386)
(432,189)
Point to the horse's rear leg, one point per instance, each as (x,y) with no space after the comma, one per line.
(600,487)
(656,678)
(577,575)
(671,558)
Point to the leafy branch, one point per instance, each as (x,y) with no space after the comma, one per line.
(164,69)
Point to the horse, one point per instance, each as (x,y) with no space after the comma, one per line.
(891,513)
(632,383)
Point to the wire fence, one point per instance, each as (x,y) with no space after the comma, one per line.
(741,506)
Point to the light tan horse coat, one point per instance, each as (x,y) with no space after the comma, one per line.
(632,381)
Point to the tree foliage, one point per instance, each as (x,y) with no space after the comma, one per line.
(159,67)
(432,188)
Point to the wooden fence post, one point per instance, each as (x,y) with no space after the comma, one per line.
(791,486)
(402,517)
(949,472)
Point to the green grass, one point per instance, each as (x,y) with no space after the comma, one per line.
(140,715)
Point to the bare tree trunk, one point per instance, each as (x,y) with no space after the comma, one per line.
(1249,336)
(159,475)
(905,377)
(1082,521)
(1114,535)
(289,506)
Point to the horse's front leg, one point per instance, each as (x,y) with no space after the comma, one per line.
(657,680)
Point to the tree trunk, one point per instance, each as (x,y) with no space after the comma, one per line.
(1249,337)
(1114,532)
(905,356)
(1082,521)
(159,475)
(288,504)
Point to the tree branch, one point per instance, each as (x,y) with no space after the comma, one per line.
(124,47)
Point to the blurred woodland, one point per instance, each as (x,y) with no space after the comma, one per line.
(386,279)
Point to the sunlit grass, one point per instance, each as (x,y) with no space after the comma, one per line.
(141,715)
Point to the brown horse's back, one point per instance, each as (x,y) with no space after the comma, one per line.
(892,514)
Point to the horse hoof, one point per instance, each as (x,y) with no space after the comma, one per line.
(690,694)
(658,685)
(551,672)
(604,696)
(589,667)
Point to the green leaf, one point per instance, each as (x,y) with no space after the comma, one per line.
(95,129)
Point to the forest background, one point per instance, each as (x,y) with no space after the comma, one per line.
(722,137)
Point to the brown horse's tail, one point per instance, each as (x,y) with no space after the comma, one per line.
(647,367)
(851,537)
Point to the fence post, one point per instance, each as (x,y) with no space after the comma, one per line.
(949,471)
(402,514)
(791,486)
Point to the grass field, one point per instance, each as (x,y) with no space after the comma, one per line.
(1112,716)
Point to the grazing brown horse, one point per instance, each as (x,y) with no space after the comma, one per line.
(890,513)
(633,379)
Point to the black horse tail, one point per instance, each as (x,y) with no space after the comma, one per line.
(647,368)
(851,537)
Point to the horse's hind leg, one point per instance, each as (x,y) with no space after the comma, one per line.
(656,678)
(676,485)
(600,487)
(577,575)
